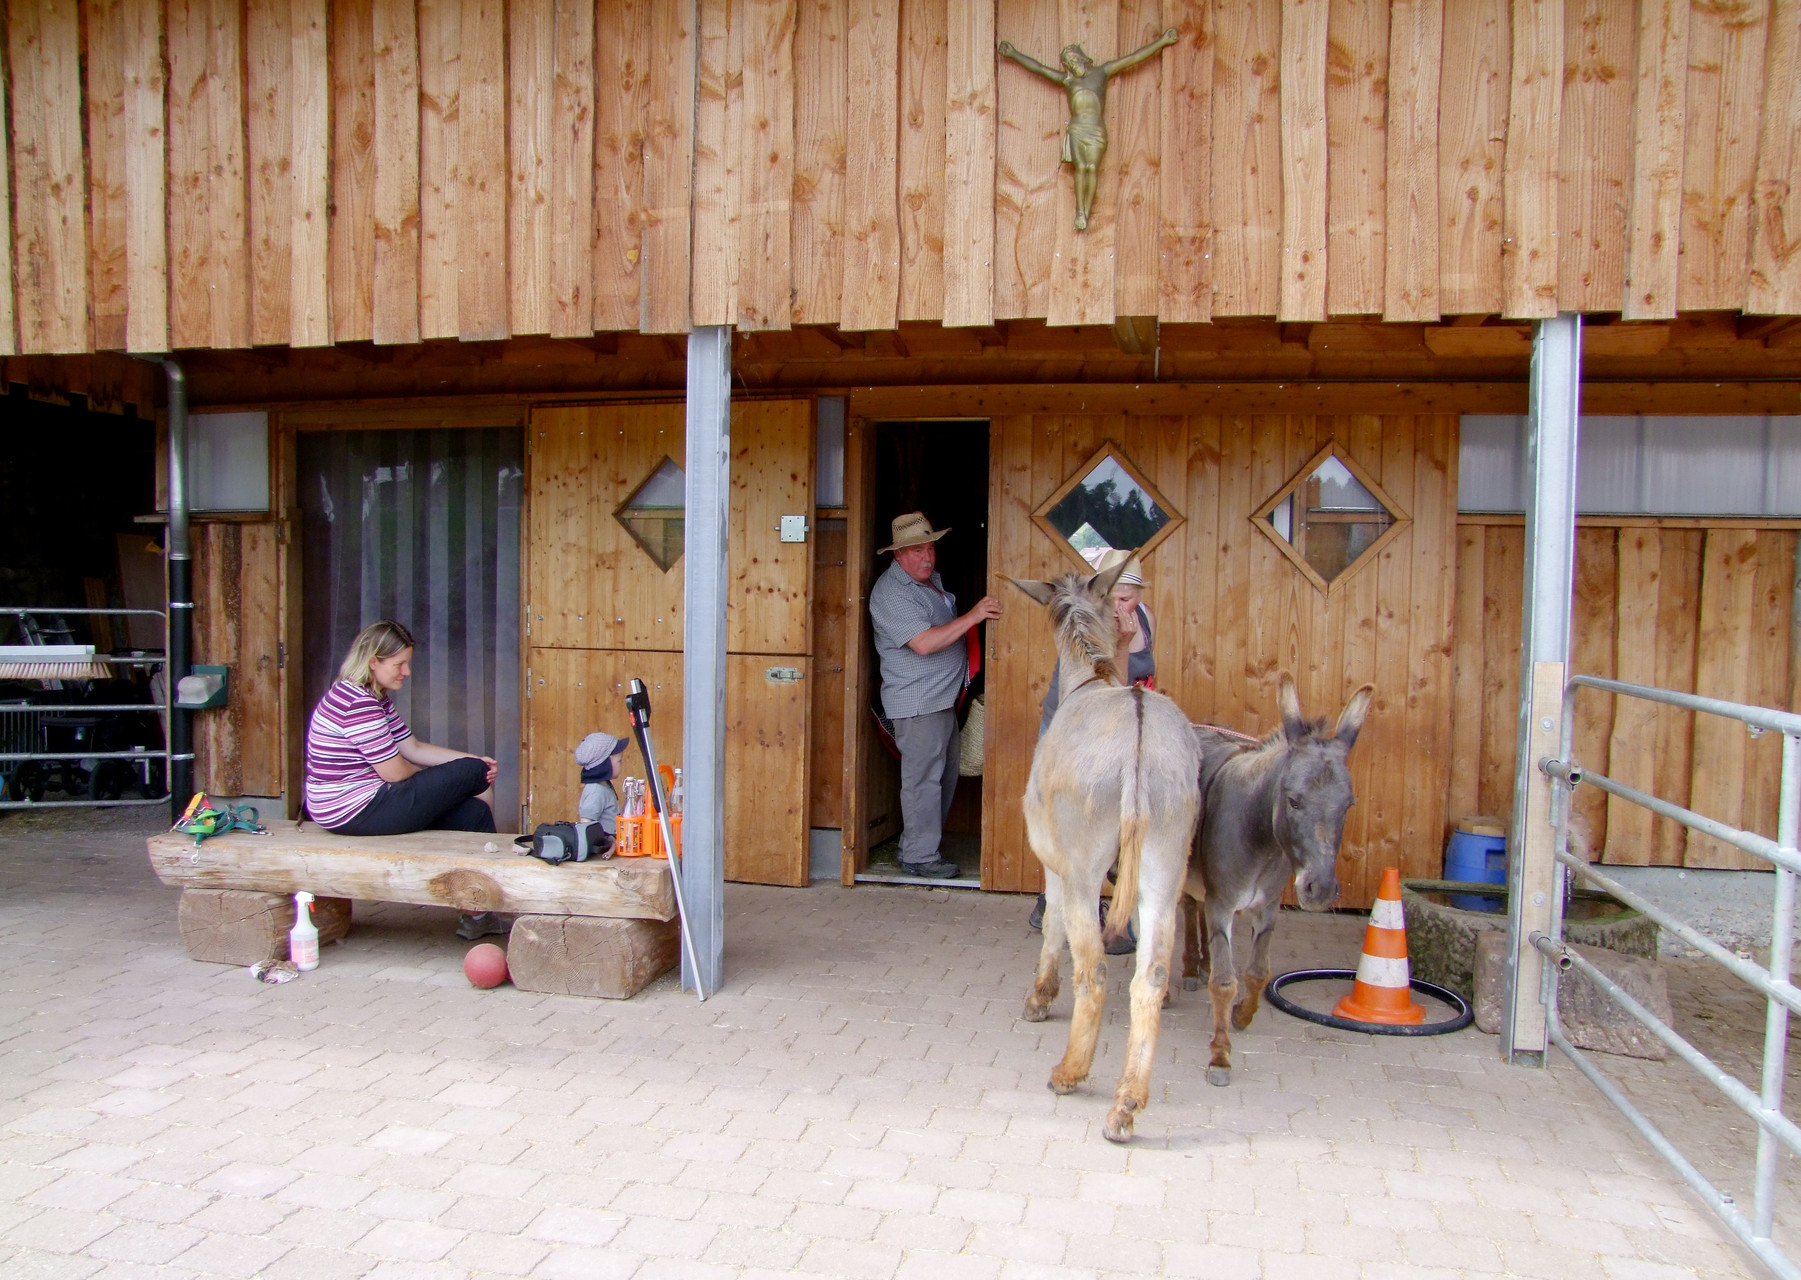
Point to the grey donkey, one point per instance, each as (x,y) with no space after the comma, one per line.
(1114,777)
(1275,812)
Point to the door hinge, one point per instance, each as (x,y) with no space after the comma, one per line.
(281,661)
(528,693)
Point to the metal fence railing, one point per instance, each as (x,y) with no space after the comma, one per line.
(1763,1105)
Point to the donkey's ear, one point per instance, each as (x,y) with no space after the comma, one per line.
(1039,591)
(1350,720)
(1102,583)
(1288,702)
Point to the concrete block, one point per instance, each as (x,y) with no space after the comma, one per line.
(590,955)
(1590,1019)
(236,926)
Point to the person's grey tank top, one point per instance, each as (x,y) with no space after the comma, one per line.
(1141,665)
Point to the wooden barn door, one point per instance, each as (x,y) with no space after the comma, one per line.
(601,610)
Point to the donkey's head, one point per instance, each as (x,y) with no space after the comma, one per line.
(1082,614)
(1313,792)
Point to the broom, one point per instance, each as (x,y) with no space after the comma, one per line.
(51,662)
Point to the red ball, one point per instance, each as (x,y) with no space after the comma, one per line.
(485,966)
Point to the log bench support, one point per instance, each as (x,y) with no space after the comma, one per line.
(237,926)
(590,955)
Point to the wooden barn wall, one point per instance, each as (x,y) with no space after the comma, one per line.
(196,174)
(1232,613)
(239,749)
(1703,608)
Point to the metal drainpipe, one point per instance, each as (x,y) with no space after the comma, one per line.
(181,592)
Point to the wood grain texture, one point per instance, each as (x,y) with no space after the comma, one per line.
(1305,166)
(1654,237)
(107,21)
(1082,265)
(353,222)
(1775,280)
(765,297)
(146,181)
(1724,659)
(1473,120)
(1185,277)
(1028,168)
(309,248)
(821,129)
(1726,45)
(572,691)
(922,157)
(1135,123)
(1593,622)
(970,134)
(1357,87)
(1247,160)
(1632,746)
(1503,606)
(269,129)
(481,168)
(237,567)
(831,631)
(715,182)
(610,191)
(668,171)
(767,609)
(1678,618)
(1411,266)
(871,209)
(766,787)
(532,88)
(1595,172)
(440,68)
(1464,794)
(1529,173)
(399,177)
(574,173)
(49,177)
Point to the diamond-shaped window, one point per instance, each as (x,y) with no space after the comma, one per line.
(1108,503)
(1331,517)
(654,514)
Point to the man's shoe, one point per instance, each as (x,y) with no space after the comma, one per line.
(471,927)
(937,869)
(1035,921)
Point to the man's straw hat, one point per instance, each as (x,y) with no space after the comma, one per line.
(911,530)
(1133,575)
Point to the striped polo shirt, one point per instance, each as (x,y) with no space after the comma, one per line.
(350,733)
(915,684)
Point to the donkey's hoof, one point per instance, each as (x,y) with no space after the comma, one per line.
(1191,984)
(1064,1084)
(1220,1076)
(1118,1127)
(1241,1018)
(1035,1012)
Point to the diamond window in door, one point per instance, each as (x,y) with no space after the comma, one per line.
(1107,504)
(655,514)
(1330,518)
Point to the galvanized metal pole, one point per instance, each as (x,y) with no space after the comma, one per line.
(1782,942)
(1544,662)
(181,594)
(703,648)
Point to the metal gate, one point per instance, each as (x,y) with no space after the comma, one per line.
(1781,996)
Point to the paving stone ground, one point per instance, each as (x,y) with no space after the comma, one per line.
(861,1101)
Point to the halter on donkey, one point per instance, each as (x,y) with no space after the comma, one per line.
(1114,777)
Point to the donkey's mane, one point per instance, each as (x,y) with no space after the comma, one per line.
(1254,762)
(1082,626)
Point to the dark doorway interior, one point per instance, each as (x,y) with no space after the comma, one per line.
(940,468)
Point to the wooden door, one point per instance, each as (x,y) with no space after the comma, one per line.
(601,611)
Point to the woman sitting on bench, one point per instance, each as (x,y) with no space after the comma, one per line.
(366,775)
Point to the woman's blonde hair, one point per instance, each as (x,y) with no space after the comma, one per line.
(377,641)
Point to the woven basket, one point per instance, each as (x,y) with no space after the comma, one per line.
(969,751)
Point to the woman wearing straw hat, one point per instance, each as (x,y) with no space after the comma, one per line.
(919,640)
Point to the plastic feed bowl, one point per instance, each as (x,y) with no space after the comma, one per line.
(485,966)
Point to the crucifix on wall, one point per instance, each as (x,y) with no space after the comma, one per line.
(1085,80)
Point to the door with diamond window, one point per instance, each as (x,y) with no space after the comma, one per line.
(605,571)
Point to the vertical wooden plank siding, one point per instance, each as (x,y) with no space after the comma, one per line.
(969,173)
(574,173)
(8,329)
(1081,277)
(1595,610)
(1028,167)
(668,170)
(610,189)
(1473,120)
(1775,283)
(1247,158)
(1357,87)
(1305,175)
(1135,105)
(1529,173)
(871,215)
(49,177)
(766,219)
(146,202)
(1654,222)
(354,217)
(481,166)
(1410,278)
(269,127)
(309,258)
(922,158)
(1723,670)
(715,192)
(1725,67)
(1595,173)
(440,112)
(1185,278)
(1632,746)
(106,41)
(1463,796)
(208,220)
(531,91)
(397,292)
(821,130)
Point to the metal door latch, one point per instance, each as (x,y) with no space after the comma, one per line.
(794,528)
(783,675)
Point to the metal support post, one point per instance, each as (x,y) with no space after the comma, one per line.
(703,648)
(181,594)
(1782,942)
(1544,659)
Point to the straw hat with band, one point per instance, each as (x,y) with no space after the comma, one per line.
(911,530)
(1132,576)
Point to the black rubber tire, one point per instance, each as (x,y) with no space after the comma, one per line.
(109,780)
(1465,1015)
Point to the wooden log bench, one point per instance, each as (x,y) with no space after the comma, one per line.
(601,928)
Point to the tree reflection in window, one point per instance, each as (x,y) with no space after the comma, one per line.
(655,514)
(1107,505)
(1330,516)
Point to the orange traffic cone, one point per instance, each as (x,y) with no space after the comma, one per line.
(1383,992)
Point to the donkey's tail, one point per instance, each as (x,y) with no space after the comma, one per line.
(1131,831)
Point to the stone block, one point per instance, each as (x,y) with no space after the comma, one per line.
(590,955)
(1590,1018)
(236,926)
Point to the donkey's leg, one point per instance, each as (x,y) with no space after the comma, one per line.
(1088,966)
(1256,974)
(1194,946)
(1044,986)
(1157,936)
(1222,985)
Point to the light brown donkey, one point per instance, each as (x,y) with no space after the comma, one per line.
(1114,777)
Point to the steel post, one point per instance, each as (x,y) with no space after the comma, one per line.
(181,593)
(1782,941)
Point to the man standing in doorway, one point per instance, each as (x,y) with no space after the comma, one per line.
(919,638)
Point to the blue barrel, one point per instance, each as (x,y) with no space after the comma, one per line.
(1477,853)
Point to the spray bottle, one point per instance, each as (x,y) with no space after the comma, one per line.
(303,938)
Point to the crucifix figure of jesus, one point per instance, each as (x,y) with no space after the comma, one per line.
(1085,80)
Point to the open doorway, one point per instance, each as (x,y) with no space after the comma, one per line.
(939,468)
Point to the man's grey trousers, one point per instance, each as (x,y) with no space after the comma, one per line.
(928,747)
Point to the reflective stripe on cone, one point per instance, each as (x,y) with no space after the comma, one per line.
(1383,991)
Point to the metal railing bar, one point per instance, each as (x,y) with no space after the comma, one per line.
(75,708)
(1763,717)
(1722,1205)
(89,755)
(15,611)
(1752,843)
(1724,1081)
(1751,973)
(79,804)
